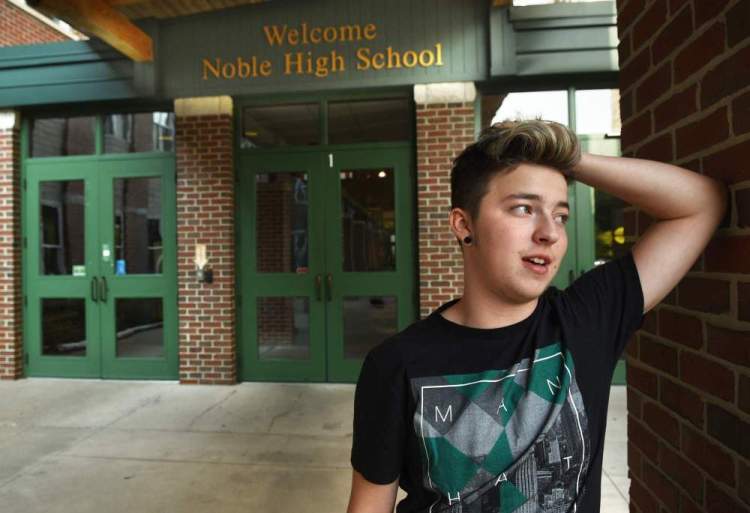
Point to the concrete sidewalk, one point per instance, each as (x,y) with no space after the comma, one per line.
(89,446)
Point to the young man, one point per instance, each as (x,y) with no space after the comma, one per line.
(497,401)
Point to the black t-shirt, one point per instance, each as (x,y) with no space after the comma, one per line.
(509,419)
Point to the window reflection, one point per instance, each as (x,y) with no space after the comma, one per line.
(61,214)
(369,121)
(368,320)
(368,219)
(138,226)
(281,222)
(609,227)
(283,328)
(63,327)
(139,132)
(56,137)
(268,126)
(140,327)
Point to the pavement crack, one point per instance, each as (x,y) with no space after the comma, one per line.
(213,406)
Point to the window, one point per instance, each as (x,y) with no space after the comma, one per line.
(62,136)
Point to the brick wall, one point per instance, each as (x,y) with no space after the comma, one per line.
(11,363)
(205,215)
(685,99)
(443,130)
(18,27)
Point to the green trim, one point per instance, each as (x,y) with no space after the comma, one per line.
(99,172)
(324,219)
(70,71)
(24,151)
(306,97)
(477,115)
(620,374)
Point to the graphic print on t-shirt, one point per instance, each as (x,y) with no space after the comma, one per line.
(503,441)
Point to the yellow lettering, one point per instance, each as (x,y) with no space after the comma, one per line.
(208,67)
(363,58)
(378,61)
(337,61)
(288,62)
(426,58)
(439,51)
(321,67)
(265,68)
(243,68)
(394,59)
(274,36)
(411,55)
(228,70)
(347,32)
(370,31)
(315,35)
(293,37)
(329,34)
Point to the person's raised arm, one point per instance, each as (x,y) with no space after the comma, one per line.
(367,497)
(687,208)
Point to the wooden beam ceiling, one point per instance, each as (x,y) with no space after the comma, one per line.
(98,18)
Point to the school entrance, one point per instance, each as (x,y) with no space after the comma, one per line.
(326,258)
(99,253)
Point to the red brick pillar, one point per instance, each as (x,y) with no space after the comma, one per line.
(685,99)
(11,350)
(205,215)
(445,126)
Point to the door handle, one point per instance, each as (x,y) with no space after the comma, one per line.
(318,286)
(329,288)
(103,289)
(94,289)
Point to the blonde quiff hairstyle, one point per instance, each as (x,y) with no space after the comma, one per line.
(501,148)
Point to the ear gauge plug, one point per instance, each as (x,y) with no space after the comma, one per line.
(467,239)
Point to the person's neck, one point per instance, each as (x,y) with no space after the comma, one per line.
(479,308)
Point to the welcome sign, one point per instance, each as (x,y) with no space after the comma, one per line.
(328,44)
(296,60)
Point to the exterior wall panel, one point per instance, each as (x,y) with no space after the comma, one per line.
(459,27)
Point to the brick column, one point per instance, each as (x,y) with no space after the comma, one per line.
(685,99)
(11,350)
(445,126)
(205,215)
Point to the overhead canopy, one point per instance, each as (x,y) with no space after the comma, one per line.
(111,20)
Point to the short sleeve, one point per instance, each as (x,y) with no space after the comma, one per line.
(605,305)
(378,438)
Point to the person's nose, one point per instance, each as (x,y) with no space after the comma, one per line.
(546,231)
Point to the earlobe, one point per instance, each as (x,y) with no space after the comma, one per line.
(459,223)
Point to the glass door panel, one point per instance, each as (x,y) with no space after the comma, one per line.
(62,332)
(280,234)
(369,253)
(138,284)
(602,233)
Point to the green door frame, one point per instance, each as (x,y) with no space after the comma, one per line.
(98,171)
(246,277)
(253,285)
(325,284)
(399,283)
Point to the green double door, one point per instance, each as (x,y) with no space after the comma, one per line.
(99,267)
(326,259)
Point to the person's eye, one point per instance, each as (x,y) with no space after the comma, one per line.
(564,217)
(522,206)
